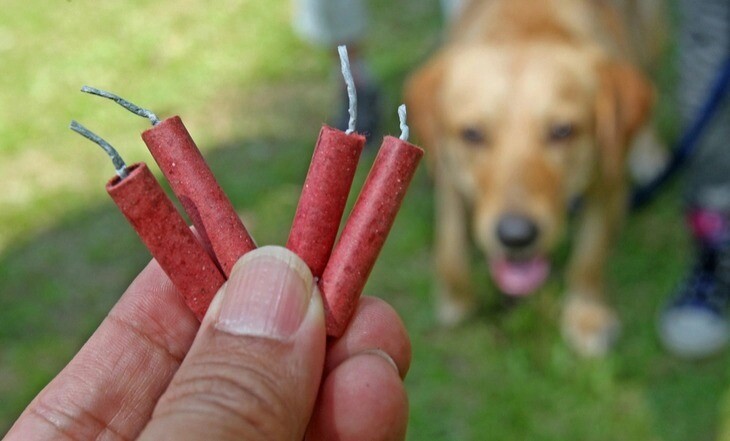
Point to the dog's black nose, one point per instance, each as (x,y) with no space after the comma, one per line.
(516,231)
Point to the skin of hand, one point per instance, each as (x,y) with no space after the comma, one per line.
(258,367)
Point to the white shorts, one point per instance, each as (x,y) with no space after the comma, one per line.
(330,22)
(333,22)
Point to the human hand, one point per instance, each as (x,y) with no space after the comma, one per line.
(258,368)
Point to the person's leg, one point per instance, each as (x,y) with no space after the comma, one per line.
(329,23)
(695,323)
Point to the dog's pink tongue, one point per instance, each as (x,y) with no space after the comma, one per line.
(520,278)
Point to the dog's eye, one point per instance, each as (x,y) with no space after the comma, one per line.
(561,132)
(473,136)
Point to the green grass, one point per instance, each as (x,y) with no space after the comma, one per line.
(253,96)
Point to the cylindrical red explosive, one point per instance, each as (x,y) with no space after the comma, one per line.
(168,238)
(324,196)
(193,182)
(366,230)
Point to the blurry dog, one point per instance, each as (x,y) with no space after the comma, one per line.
(530,105)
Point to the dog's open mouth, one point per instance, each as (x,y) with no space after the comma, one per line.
(519,277)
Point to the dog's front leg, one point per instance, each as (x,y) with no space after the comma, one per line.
(589,324)
(454,292)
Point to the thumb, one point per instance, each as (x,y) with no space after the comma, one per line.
(254,368)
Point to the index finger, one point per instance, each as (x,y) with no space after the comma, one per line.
(111,386)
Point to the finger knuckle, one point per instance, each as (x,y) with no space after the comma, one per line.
(246,395)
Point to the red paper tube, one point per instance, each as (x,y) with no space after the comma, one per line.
(165,233)
(324,196)
(366,230)
(210,210)
(168,238)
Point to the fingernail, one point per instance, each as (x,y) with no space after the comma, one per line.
(267,294)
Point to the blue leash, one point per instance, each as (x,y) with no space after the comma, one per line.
(688,142)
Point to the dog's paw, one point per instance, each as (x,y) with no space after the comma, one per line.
(453,310)
(590,327)
(648,157)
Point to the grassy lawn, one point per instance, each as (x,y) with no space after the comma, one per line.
(253,97)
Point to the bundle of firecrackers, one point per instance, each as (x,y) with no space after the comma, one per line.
(199,262)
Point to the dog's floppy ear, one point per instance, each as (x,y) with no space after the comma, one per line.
(623,105)
(422,98)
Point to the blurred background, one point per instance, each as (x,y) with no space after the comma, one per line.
(254,97)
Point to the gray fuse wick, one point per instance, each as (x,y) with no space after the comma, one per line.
(351,92)
(405,131)
(119,165)
(144,113)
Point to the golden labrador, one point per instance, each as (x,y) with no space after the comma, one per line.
(529,105)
